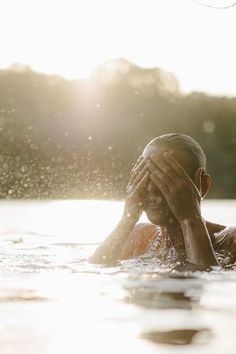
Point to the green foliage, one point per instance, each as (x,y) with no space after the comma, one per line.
(79,139)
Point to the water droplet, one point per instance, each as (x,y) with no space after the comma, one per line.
(209,126)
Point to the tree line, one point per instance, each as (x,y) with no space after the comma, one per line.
(79,139)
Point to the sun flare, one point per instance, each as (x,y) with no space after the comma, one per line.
(71,38)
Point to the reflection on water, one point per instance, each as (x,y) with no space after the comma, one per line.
(179,337)
(164,300)
(52,301)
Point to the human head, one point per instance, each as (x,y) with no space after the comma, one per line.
(190,155)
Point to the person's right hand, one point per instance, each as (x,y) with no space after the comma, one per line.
(136,190)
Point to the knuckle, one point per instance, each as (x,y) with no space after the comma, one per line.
(130,190)
(166,169)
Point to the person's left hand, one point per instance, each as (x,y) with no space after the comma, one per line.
(180,192)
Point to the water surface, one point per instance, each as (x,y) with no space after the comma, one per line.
(52,301)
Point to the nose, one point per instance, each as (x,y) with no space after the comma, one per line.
(153,192)
(154,195)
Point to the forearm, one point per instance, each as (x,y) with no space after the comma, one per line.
(109,250)
(198,244)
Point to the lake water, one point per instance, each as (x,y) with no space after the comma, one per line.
(52,301)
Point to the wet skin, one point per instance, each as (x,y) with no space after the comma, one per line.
(161,186)
(154,203)
(156,207)
(163,189)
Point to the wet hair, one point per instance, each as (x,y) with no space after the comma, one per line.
(192,154)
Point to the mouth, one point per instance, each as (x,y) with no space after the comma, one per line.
(158,206)
(156,203)
(153,206)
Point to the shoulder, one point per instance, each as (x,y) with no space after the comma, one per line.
(139,240)
(145,228)
(143,233)
(227,231)
(225,239)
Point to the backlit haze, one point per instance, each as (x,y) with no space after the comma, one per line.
(72,37)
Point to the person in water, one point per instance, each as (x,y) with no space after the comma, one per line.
(168,183)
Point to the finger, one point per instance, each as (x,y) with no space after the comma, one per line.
(136,170)
(137,162)
(137,178)
(162,176)
(139,165)
(164,179)
(159,184)
(139,169)
(132,178)
(140,187)
(180,171)
(165,169)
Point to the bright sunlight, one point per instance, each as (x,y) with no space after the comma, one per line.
(71,38)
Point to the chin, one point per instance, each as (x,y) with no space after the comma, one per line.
(158,218)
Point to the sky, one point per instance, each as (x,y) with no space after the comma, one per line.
(72,37)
